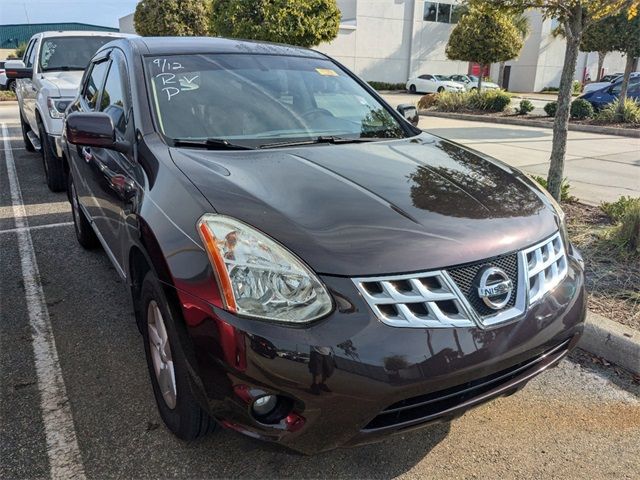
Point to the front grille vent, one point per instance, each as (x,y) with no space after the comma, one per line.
(418,300)
(546,267)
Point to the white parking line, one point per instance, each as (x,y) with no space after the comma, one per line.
(65,461)
(37,227)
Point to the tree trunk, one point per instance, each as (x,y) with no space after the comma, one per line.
(628,68)
(501,74)
(601,56)
(480,78)
(573,32)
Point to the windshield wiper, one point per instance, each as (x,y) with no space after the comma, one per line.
(321,139)
(210,144)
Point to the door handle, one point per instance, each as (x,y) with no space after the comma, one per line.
(86,154)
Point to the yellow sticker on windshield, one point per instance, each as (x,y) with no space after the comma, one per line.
(326,72)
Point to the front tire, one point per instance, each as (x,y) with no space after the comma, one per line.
(84,232)
(53,169)
(177,405)
(440,89)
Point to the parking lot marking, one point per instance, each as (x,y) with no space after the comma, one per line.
(37,227)
(65,461)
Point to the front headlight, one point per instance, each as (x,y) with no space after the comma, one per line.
(57,106)
(258,277)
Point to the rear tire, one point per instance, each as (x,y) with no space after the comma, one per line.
(25,138)
(177,405)
(11,86)
(84,232)
(412,89)
(53,169)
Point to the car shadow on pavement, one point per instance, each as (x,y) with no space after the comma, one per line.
(249,458)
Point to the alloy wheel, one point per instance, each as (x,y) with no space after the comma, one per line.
(160,349)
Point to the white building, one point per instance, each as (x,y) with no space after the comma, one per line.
(391,40)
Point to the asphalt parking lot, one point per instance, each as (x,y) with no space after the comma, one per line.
(76,402)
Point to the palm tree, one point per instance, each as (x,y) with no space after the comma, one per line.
(521,22)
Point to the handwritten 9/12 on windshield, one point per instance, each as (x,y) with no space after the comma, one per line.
(171,80)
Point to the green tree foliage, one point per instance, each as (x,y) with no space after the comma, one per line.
(181,18)
(19,52)
(599,37)
(484,35)
(305,23)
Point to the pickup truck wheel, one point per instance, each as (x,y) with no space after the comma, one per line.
(84,233)
(25,129)
(53,169)
(178,407)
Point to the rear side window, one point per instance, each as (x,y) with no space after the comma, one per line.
(93,83)
(113,101)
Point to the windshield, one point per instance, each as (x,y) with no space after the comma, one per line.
(256,100)
(69,53)
(474,78)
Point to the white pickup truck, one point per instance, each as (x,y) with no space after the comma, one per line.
(47,80)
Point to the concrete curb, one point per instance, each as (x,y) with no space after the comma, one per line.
(622,132)
(612,341)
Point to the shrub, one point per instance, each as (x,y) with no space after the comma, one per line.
(427,101)
(387,86)
(489,100)
(581,109)
(627,234)
(576,87)
(525,107)
(6,95)
(630,112)
(550,89)
(550,108)
(616,210)
(451,101)
(565,196)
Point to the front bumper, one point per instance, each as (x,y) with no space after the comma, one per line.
(353,380)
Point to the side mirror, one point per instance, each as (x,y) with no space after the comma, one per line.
(409,112)
(93,129)
(16,69)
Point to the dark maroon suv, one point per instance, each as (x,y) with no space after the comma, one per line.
(306,266)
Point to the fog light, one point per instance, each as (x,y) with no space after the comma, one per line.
(264,405)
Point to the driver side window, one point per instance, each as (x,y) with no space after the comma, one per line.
(93,83)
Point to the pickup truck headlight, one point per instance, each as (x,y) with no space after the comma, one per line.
(258,277)
(57,106)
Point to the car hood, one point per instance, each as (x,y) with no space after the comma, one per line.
(383,207)
(451,83)
(63,84)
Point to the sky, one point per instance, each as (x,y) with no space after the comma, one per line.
(95,12)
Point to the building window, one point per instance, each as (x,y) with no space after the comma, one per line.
(444,13)
(441,12)
(430,11)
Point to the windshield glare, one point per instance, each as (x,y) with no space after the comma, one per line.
(69,53)
(255,100)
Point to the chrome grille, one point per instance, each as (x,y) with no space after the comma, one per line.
(415,300)
(447,298)
(546,265)
(464,277)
